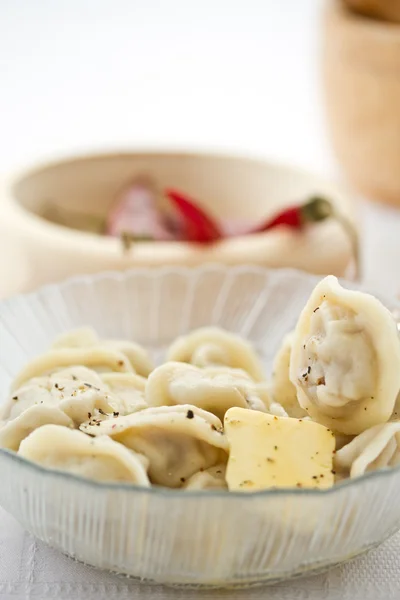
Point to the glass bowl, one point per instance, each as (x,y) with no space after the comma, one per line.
(197,538)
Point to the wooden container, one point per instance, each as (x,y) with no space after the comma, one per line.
(34,250)
(361,75)
(387,10)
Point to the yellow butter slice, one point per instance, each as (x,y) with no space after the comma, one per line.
(277,452)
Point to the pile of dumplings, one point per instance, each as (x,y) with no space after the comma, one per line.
(208,418)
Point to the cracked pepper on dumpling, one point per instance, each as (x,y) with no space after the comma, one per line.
(283,390)
(178,441)
(98,358)
(60,399)
(212,390)
(345,359)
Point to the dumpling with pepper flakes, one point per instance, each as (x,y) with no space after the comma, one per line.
(178,441)
(56,400)
(95,357)
(213,390)
(101,459)
(345,359)
(282,389)
(208,479)
(39,390)
(209,346)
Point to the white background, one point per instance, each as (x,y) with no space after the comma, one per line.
(238,74)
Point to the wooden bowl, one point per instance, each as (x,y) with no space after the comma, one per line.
(361,75)
(387,10)
(39,251)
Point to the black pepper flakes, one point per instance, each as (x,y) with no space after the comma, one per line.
(89,415)
(308,369)
(315,476)
(275,447)
(246,482)
(270,460)
(101,411)
(333,472)
(115,414)
(190,414)
(183,479)
(15,398)
(120,363)
(315,309)
(213,427)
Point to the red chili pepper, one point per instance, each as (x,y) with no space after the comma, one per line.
(316,209)
(198,225)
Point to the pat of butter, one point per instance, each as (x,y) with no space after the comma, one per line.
(268,451)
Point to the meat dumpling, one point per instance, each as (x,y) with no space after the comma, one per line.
(139,358)
(209,346)
(375,448)
(101,459)
(129,388)
(50,390)
(283,390)
(95,357)
(210,389)
(208,479)
(178,441)
(345,359)
(13,432)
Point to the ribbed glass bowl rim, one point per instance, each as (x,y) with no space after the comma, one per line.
(384,475)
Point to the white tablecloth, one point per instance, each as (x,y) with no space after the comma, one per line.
(29,570)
